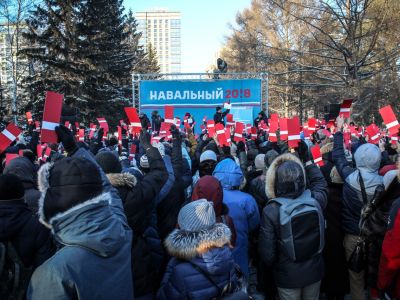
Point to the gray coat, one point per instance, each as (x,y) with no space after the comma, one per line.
(95,259)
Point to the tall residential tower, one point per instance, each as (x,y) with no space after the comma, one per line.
(162,30)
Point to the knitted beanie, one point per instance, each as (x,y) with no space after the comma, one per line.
(109,162)
(196,216)
(208,155)
(11,187)
(160,147)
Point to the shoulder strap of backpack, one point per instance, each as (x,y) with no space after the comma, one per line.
(362,186)
(200,270)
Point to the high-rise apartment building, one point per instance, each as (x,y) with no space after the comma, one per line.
(162,30)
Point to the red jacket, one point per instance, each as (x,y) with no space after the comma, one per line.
(389,269)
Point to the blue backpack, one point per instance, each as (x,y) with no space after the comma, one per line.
(302,227)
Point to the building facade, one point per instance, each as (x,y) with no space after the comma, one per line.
(162,30)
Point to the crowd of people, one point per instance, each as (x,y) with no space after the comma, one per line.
(183,217)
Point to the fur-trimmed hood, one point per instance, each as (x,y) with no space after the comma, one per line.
(122,179)
(270,177)
(326,148)
(186,245)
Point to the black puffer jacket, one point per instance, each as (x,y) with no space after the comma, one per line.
(138,199)
(168,208)
(31,240)
(27,172)
(374,226)
(336,281)
(286,271)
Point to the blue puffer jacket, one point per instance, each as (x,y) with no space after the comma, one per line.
(95,260)
(242,208)
(367,159)
(206,249)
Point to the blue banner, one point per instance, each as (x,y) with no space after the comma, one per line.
(201,97)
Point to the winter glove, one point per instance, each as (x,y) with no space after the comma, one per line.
(66,137)
(176,135)
(303,152)
(145,139)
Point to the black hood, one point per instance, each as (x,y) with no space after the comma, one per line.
(13,216)
(24,169)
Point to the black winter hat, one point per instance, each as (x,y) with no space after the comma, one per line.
(218,108)
(109,162)
(11,187)
(67,183)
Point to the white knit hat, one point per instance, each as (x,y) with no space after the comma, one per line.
(208,155)
(144,162)
(197,215)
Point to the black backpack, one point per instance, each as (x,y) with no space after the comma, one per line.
(14,276)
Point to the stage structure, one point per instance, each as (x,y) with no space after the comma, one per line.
(201,93)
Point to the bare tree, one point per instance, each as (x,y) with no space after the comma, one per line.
(13,14)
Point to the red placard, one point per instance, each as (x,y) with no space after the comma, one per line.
(119,131)
(10,157)
(169,114)
(293,132)
(29,117)
(373,133)
(211,128)
(312,125)
(229,120)
(134,120)
(92,130)
(316,154)
(273,128)
(283,125)
(253,133)
(220,131)
(103,124)
(51,117)
(47,153)
(81,135)
(390,119)
(8,135)
(238,136)
(132,152)
(345,108)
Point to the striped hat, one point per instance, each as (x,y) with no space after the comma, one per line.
(197,215)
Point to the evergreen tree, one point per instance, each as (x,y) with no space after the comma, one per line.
(82,49)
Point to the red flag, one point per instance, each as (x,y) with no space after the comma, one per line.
(10,157)
(390,119)
(345,108)
(29,117)
(37,125)
(283,125)
(307,133)
(132,152)
(133,118)
(316,154)
(220,130)
(374,134)
(51,117)
(293,126)
(103,124)
(238,136)
(8,135)
(39,151)
(169,114)
(211,128)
